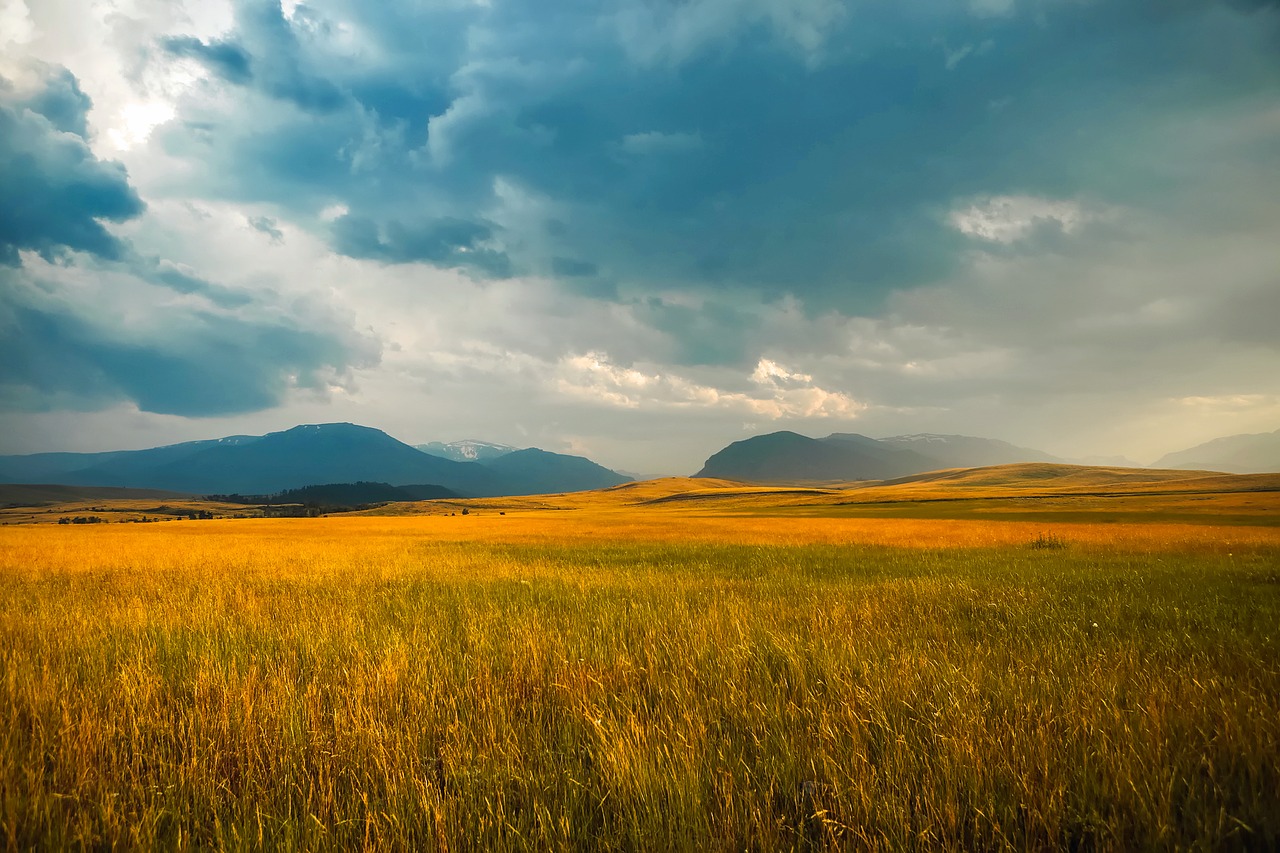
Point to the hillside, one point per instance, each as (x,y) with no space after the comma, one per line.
(1236,454)
(537,472)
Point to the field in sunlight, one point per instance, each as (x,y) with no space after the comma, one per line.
(616,676)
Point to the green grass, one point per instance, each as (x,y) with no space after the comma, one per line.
(644,696)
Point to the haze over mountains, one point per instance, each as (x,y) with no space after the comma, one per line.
(1235,454)
(305,456)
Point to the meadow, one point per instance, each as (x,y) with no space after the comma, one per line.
(640,679)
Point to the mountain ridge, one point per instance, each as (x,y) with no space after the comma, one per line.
(790,457)
(1245,453)
(466,450)
(302,456)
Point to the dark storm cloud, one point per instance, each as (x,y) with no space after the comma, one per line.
(54,192)
(726,147)
(710,334)
(268,55)
(193,363)
(572,268)
(444,242)
(229,61)
(219,365)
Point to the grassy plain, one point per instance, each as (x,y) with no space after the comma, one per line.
(611,673)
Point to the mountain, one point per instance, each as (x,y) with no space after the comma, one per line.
(55,468)
(790,457)
(303,456)
(964,451)
(1236,454)
(537,472)
(467,450)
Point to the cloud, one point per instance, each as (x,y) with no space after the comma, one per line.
(1008,219)
(726,146)
(229,61)
(84,338)
(54,192)
(16,27)
(653,142)
(447,242)
(266,225)
(991,8)
(778,394)
(678,33)
(1231,402)
(87,319)
(572,268)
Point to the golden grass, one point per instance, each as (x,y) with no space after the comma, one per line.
(639,678)
(1051,492)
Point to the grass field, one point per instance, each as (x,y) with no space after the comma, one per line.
(610,676)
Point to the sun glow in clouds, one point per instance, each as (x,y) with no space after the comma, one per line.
(138,119)
(781,393)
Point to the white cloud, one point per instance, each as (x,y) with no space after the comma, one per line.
(1009,218)
(772,374)
(780,392)
(16,26)
(1231,402)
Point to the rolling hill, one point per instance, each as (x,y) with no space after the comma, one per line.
(1039,491)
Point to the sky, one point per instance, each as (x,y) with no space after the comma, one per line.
(639,230)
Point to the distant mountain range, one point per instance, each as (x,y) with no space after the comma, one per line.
(963,451)
(1236,454)
(346,454)
(306,456)
(789,456)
